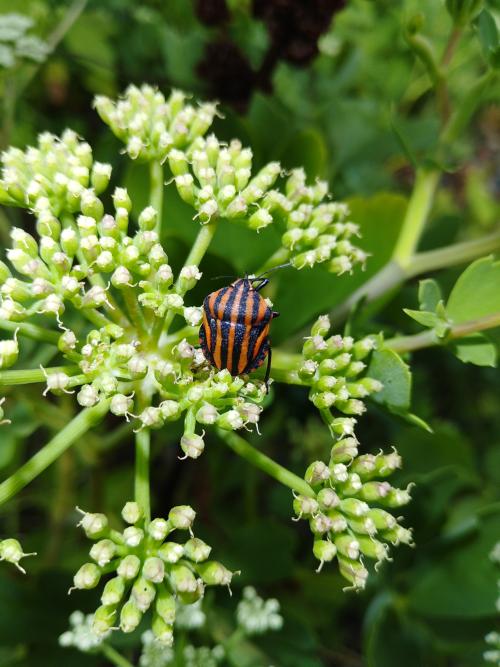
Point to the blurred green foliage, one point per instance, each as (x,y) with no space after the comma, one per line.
(362,115)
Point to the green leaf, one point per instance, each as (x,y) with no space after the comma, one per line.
(476,293)
(460,582)
(488,32)
(476,349)
(388,367)
(429,294)
(423,317)
(413,419)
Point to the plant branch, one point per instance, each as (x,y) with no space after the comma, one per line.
(156,192)
(31,331)
(113,656)
(134,310)
(32,375)
(52,450)
(141,473)
(260,460)
(429,338)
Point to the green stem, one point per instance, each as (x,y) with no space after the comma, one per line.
(134,310)
(96,317)
(141,475)
(33,375)
(76,428)
(279,257)
(113,656)
(196,254)
(31,331)
(260,460)
(458,253)
(419,341)
(419,206)
(156,192)
(464,111)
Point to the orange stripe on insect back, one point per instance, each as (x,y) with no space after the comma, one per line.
(232,330)
(243,358)
(211,302)
(262,310)
(218,344)
(222,304)
(208,331)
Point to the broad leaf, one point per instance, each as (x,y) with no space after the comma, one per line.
(388,367)
(476,349)
(429,294)
(476,293)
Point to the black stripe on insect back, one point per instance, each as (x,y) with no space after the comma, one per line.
(241,330)
(256,329)
(226,323)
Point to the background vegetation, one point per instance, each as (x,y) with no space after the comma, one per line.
(365,110)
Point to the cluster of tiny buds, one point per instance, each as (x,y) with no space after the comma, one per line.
(11,551)
(257,616)
(492,654)
(149,571)
(347,512)
(216,179)
(333,367)
(151,126)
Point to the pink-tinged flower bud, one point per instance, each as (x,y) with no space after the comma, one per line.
(374,491)
(317,473)
(320,524)
(305,507)
(398,535)
(308,369)
(339,473)
(321,327)
(339,523)
(328,499)
(344,451)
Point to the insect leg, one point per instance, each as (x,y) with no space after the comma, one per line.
(268,369)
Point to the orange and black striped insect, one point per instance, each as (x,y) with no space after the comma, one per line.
(234,334)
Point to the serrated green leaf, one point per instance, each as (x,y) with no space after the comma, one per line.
(423,317)
(388,367)
(429,294)
(477,350)
(476,293)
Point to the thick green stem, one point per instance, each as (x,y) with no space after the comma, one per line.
(279,257)
(141,476)
(419,341)
(134,310)
(114,657)
(76,428)
(156,192)
(196,254)
(31,331)
(260,460)
(419,206)
(33,375)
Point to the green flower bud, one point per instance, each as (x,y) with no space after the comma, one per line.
(121,405)
(324,550)
(362,526)
(353,571)
(321,327)
(339,473)
(10,549)
(344,451)
(352,485)
(94,525)
(133,536)
(182,579)
(113,592)
(304,506)
(143,593)
(192,445)
(67,342)
(153,569)
(197,550)
(87,577)
(386,464)
(374,491)
(130,616)
(317,473)
(165,606)
(260,219)
(171,552)
(163,632)
(129,567)
(383,520)
(103,619)
(354,507)
(364,466)
(347,546)
(372,548)
(121,199)
(338,521)
(320,524)
(214,573)
(158,529)
(182,517)
(308,369)
(9,352)
(398,535)
(100,176)
(131,512)
(103,552)
(328,499)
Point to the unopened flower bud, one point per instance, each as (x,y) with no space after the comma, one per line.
(165,606)
(100,176)
(87,577)
(94,525)
(192,445)
(353,571)
(214,573)
(317,473)
(133,536)
(130,616)
(354,507)
(143,593)
(304,506)
(9,352)
(207,414)
(163,632)
(103,552)
(197,550)
(104,617)
(327,499)
(347,546)
(230,420)
(129,567)
(131,512)
(324,550)
(113,591)
(153,569)
(171,552)
(182,517)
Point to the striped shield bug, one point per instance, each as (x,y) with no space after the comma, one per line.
(234,334)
